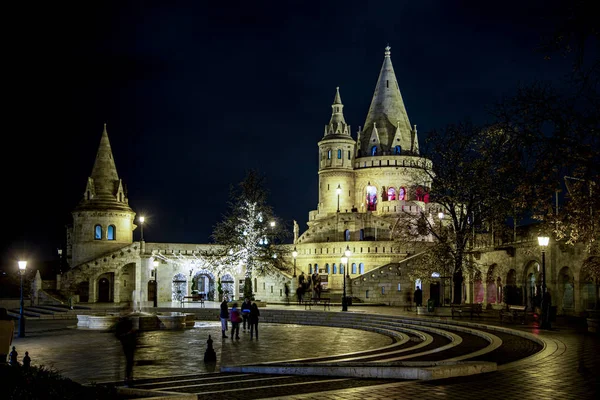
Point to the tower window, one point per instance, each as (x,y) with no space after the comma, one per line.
(397,150)
(361,268)
(329,154)
(110,233)
(354,268)
(373,150)
(98,232)
(387,84)
(349,155)
(339,154)
(334,268)
(347,235)
(391,192)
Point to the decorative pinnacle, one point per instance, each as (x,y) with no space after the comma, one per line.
(387,50)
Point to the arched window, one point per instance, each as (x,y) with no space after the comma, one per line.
(361,268)
(334,268)
(98,232)
(362,234)
(326,268)
(402,194)
(373,150)
(329,154)
(310,268)
(419,193)
(426,196)
(342,269)
(339,154)
(398,150)
(371,198)
(317,268)
(347,235)
(110,233)
(391,193)
(353,268)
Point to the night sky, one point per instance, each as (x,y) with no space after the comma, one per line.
(194,95)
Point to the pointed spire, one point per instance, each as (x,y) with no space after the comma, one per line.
(104,172)
(337,124)
(387,110)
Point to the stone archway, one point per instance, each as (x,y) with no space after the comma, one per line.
(228,286)
(491,288)
(532,285)
(478,291)
(105,284)
(204,283)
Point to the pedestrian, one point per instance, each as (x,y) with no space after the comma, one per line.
(12,357)
(254,314)
(236,318)
(299,293)
(286,289)
(245,313)
(127,334)
(7,332)
(408,306)
(224,316)
(26,360)
(418,297)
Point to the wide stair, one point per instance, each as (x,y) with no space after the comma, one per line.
(421,349)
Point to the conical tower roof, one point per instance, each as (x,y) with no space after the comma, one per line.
(104,189)
(337,124)
(388,114)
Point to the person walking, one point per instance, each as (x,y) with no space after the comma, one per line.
(408,306)
(224,316)
(236,318)
(418,297)
(246,313)
(254,314)
(127,335)
(286,289)
(7,332)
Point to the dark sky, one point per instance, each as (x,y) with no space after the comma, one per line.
(194,95)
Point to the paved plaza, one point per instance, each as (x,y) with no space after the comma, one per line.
(565,369)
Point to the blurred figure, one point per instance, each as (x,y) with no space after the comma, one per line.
(127,335)
(286,289)
(246,313)
(12,357)
(236,319)
(7,332)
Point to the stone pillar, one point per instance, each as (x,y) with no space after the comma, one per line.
(93,297)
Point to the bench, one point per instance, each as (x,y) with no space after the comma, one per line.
(325,301)
(198,299)
(462,309)
(514,313)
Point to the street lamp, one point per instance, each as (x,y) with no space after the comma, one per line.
(295,254)
(155,264)
(22,267)
(345,259)
(142,229)
(543,242)
(338,191)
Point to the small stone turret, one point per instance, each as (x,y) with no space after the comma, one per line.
(103,219)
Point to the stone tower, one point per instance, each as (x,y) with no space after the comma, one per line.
(336,156)
(103,220)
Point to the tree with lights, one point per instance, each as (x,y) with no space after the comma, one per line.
(249,233)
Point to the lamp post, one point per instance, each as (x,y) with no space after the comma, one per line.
(441,218)
(60,252)
(543,242)
(155,264)
(345,259)
(142,229)
(22,267)
(338,191)
(295,254)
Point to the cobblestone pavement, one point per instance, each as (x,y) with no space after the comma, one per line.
(566,369)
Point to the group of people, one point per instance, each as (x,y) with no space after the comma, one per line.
(305,284)
(247,315)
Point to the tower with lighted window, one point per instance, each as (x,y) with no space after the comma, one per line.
(336,157)
(103,220)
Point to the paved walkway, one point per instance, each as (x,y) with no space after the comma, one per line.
(566,369)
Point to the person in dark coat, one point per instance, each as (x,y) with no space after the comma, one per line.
(245,313)
(418,297)
(253,319)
